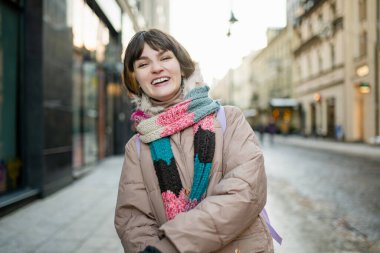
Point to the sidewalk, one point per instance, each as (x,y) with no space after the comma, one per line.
(355,149)
(78,218)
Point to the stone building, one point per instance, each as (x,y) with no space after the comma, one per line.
(272,76)
(262,85)
(337,64)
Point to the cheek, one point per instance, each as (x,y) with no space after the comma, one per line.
(140,78)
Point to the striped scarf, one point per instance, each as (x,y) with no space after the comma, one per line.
(197,110)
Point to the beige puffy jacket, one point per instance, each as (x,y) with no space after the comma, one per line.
(227,220)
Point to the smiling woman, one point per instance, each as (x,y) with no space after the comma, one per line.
(189,182)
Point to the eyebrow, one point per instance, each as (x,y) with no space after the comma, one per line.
(146,58)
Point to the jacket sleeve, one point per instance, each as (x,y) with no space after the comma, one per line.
(236,200)
(134,220)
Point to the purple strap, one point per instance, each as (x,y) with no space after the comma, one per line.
(273,232)
(222,118)
(138,145)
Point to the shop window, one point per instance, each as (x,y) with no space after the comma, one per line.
(10,164)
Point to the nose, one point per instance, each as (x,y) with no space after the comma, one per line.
(156,67)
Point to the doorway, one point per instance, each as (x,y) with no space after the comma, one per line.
(313,119)
(331,117)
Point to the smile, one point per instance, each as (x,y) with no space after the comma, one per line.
(160,80)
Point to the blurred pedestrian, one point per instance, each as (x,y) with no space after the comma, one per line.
(271,130)
(186,186)
(261,129)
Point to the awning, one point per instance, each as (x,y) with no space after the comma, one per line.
(283,102)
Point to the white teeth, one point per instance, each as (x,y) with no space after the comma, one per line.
(159,80)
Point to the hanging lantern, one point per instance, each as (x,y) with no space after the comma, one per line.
(233,19)
(364,87)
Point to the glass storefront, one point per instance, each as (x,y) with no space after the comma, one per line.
(61,106)
(10,163)
(91,39)
(90,89)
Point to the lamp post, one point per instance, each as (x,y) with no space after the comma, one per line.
(232,21)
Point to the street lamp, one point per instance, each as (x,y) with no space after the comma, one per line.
(232,21)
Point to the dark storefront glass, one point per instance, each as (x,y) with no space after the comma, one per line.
(10,163)
(57,92)
(61,105)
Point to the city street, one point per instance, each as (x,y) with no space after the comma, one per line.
(318,200)
(79,78)
(323,201)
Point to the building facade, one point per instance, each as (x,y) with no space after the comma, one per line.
(273,81)
(156,13)
(337,64)
(235,88)
(362,118)
(263,84)
(62,103)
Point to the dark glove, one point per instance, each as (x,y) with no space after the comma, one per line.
(150,249)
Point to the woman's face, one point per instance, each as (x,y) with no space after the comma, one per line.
(158,73)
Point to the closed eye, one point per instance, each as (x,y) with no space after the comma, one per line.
(165,58)
(141,65)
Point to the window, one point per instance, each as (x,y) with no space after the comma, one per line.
(310,27)
(298,74)
(332,54)
(363,44)
(320,62)
(362,10)
(309,67)
(320,22)
(333,11)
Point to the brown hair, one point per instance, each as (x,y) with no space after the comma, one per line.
(157,40)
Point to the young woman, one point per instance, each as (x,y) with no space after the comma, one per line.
(188,183)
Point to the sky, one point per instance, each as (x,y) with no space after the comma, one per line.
(201,26)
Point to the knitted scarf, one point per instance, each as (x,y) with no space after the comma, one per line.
(196,110)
